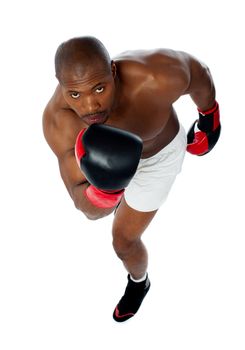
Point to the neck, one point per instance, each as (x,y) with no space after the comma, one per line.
(118,94)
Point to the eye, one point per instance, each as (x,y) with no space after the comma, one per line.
(75,95)
(100,90)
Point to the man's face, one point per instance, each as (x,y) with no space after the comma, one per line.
(91,94)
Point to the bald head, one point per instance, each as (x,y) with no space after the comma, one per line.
(77,55)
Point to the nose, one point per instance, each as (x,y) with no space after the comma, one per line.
(90,105)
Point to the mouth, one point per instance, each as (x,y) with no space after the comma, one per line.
(96,118)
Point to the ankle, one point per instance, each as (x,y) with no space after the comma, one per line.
(138,280)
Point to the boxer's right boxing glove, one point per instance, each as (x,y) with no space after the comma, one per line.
(108,157)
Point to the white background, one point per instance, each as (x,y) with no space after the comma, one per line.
(59,277)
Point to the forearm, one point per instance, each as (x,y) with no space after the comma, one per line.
(82,203)
(204,97)
(204,101)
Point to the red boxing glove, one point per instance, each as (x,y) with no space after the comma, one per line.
(97,197)
(108,157)
(205,132)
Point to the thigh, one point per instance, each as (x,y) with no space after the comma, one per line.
(130,223)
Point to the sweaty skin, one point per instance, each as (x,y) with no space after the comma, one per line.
(145,85)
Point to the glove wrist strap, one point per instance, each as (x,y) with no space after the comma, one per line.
(209,120)
(102,199)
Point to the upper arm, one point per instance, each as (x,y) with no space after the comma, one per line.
(201,87)
(60,136)
(70,172)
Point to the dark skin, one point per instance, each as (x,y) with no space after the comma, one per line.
(136,95)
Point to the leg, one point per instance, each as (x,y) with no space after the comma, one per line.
(128,226)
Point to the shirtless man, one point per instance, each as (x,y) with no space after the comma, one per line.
(132,93)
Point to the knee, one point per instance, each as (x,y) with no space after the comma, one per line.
(122,243)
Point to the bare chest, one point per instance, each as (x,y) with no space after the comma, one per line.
(143,118)
(155,123)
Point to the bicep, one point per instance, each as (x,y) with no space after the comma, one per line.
(200,76)
(201,87)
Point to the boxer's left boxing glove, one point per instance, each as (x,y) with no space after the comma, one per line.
(205,132)
(108,157)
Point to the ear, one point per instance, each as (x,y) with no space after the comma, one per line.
(113,69)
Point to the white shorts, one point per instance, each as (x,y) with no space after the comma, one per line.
(155,176)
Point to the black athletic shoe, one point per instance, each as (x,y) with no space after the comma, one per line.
(131,300)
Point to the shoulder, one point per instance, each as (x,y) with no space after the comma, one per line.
(171,68)
(167,69)
(59,125)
